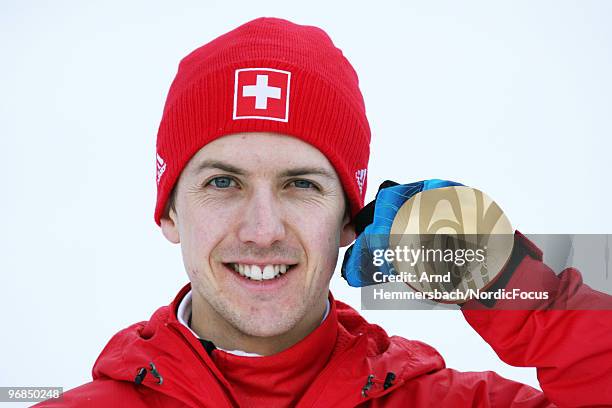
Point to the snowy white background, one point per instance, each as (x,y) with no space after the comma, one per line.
(513,98)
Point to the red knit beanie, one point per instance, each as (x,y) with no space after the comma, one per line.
(268,75)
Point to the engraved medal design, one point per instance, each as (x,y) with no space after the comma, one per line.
(457,237)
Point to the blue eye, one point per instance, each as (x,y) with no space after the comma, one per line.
(222,182)
(303,184)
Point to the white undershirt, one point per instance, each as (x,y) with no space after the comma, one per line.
(184,312)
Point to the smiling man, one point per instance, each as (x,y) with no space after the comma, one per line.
(262,156)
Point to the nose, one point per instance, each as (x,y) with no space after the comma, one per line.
(262,220)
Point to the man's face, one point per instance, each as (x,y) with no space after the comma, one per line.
(260,218)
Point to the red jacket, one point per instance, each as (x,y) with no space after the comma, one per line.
(346,360)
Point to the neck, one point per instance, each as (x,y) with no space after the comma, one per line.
(210,325)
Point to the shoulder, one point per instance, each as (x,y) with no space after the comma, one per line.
(103,393)
(451,388)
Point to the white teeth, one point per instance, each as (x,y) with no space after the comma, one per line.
(268,272)
(256,272)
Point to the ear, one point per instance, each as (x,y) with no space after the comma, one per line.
(347,236)
(169,227)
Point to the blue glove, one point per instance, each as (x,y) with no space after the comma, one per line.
(373,226)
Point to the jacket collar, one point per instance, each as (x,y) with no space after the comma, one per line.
(359,349)
(183,315)
(282,378)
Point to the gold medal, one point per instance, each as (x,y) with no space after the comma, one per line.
(450,240)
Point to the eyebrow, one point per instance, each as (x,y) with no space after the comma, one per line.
(298,171)
(216,164)
(304,171)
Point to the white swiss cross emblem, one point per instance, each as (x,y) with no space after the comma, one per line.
(261,93)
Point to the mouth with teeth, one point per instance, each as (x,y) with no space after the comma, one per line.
(260,272)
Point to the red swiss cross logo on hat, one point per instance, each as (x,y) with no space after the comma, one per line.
(261,93)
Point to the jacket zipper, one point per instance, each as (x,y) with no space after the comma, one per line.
(197,354)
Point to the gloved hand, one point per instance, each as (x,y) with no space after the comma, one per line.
(373,226)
